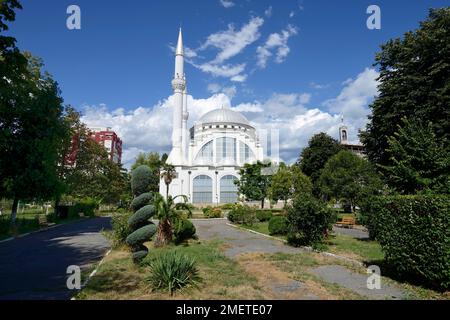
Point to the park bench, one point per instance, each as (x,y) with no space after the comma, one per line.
(348,222)
(42,220)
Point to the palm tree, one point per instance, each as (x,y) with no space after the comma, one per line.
(168,174)
(168,212)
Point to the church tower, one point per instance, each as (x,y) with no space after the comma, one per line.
(343,132)
(176,156)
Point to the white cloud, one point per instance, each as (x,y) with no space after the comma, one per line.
(268,12)
(225,70)
(149,128)
(227,3)
(291,14)
(275,42)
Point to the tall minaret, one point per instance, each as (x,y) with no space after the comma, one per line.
(179,86)
(185,133)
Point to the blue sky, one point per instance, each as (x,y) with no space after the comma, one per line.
(293,65)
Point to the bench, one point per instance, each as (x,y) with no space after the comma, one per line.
(348,222)
(42,220)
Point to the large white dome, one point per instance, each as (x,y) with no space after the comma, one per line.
(223,115)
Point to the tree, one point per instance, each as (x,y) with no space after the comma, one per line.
(168,174)
(350,178)
(414,83)
(320,148)
(32,131)
(253,183)
(154,162)
(168,212)
(301,184)
(419,161)
(281,184)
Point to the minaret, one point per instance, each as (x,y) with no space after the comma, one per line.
(179,86)
(185,133)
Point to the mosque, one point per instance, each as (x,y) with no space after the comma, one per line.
(207,157)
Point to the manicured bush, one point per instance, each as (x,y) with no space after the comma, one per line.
(120,228)
(183,230)
(210,212)
(263,215)
(242,214)
(172,271)
(141,235)
(140,218)
(414,233)
(278,225)
(141,178)
(85,206)
(309,220)
(141,201)
(227,206)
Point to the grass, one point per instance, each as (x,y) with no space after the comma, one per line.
(362,250)
(221,277)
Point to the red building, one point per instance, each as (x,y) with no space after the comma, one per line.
(109,139)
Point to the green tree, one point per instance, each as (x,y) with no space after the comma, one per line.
(281,184)
(168,173)
(253,183)
(154,162)
(350,178)
(321,147)
(301,184)
(420,161)
(414,83)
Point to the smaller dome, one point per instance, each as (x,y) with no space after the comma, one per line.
(224,115)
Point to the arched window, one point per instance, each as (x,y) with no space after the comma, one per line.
(228,190)
(245,153)
(226,149)
(202,189)
(205,155)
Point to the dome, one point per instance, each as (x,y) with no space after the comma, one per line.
(224,115)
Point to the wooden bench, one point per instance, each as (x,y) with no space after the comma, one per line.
(42,220)
(348,222)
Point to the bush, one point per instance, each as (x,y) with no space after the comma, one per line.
(242,214)
(414,233)
(309,220)
(183,230)
(264,215)
(278,225)
(227,206)
(140,218)
(141,178)
(120,228)
(141,201)
(86,206)
(141,235)
(172,271)
(210,212)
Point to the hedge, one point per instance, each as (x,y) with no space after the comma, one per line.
(183,230)
(87,207)
(263,215)
(140,218)
(278,225)
(414,233)
(141,201)
(141,235)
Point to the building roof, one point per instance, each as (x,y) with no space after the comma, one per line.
(224,115)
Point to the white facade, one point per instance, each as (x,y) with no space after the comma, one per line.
(207,157)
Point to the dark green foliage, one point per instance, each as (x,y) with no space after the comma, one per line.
(210,212)
(242,214)
(309,220)
(414,83)
(263,215)
(227,206)
(141,179)
(86,206)
(278,225)
(320,148)
(414,233)
(141,201)
(253,183)
(420,162)
(140,218)
(183,229)
(120,228)
(141,235)
(172,271)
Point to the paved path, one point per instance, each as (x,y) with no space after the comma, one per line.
(34,267)
(355,233)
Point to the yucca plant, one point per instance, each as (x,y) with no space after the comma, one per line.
(172,271)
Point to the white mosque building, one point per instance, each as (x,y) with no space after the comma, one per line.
(208,156)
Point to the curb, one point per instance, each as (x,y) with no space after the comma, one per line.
(305,248)
(93,273)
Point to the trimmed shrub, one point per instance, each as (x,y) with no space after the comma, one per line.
(210,212)
(141,201)
(309,220)
(278,225)
(227,206)
(264,215)
(120,228)
(141,178)
(242,214)
(172,271)
(183,230)
(86,206)
(140,218)
(414,233)
(141,235)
